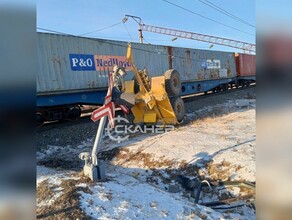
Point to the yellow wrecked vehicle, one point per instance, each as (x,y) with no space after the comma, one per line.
(152,101)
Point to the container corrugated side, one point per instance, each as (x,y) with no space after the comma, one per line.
(246,64)
(55,72)
(196,64)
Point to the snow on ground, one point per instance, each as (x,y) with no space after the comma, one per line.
(221,147)
(229,138)
(52,176)
(125,197)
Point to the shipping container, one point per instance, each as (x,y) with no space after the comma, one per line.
(245,65)
(68,64)
(73,71)
(194,64)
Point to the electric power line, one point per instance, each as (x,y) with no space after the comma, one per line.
(217,8)
(57,32)
(113,25)
(128,32)
(66,34)
(210,19)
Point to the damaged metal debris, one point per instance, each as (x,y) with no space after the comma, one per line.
(195,186)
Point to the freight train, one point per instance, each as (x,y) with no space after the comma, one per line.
(73,71)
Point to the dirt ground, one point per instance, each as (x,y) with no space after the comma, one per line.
(215,143)
(74,133)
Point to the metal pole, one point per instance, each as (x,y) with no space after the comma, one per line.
(140,34)
(97,140)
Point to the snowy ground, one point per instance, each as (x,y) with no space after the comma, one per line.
(220,145)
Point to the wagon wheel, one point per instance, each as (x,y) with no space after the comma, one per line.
(248,83)
(172,82)
(40,119)
(178,107)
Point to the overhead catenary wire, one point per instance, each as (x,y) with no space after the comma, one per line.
(201,37)
(49,30)
(210,19)
(131,39)
(128,31)
(190,35)
(223,11)
(101,29)
(66,34)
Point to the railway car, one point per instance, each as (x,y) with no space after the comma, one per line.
(73,71)
(245,69)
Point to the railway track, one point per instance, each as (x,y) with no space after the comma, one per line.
(87,110)
(197,96)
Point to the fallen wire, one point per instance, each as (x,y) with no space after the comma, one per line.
(227,201)
(229,207)
(200,189)
(250,185)
(197,185)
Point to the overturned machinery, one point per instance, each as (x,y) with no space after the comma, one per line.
(152,101)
